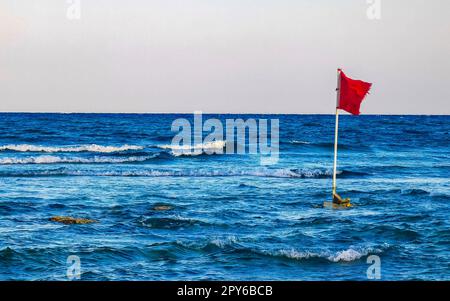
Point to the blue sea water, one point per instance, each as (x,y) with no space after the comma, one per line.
(232,218)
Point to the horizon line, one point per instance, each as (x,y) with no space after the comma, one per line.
(215,113)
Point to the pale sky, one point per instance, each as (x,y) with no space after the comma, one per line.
(229,56)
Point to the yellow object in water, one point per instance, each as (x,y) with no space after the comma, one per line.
(336,206)
(338,202)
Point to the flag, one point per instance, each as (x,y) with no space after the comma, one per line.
(351,93)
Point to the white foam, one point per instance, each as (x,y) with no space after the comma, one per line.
(272,173)
(221,243)
(348,255)
(218,242)
(300,142)
(81,148)
(294,254)
(216,146)
(57,159)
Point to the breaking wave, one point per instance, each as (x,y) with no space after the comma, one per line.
(270,173)
(351,254)
(73,160)
(348,255)
(69,149)
(197,149)
(217,242)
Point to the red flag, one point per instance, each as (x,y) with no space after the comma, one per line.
(351,93)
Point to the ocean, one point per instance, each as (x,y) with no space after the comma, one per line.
(229,217)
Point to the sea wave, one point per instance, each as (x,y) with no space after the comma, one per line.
(69,149)
(348,255)
(353,253)
(327,145)
(215,242)
(72,160)
(414,192)
(197,149)
(233,172)
(172,223)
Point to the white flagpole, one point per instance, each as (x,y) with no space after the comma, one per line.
(336,131)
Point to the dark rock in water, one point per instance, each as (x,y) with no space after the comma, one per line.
(162,207)
(67,220)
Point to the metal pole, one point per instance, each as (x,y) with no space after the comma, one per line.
(336,131)
(335,151)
